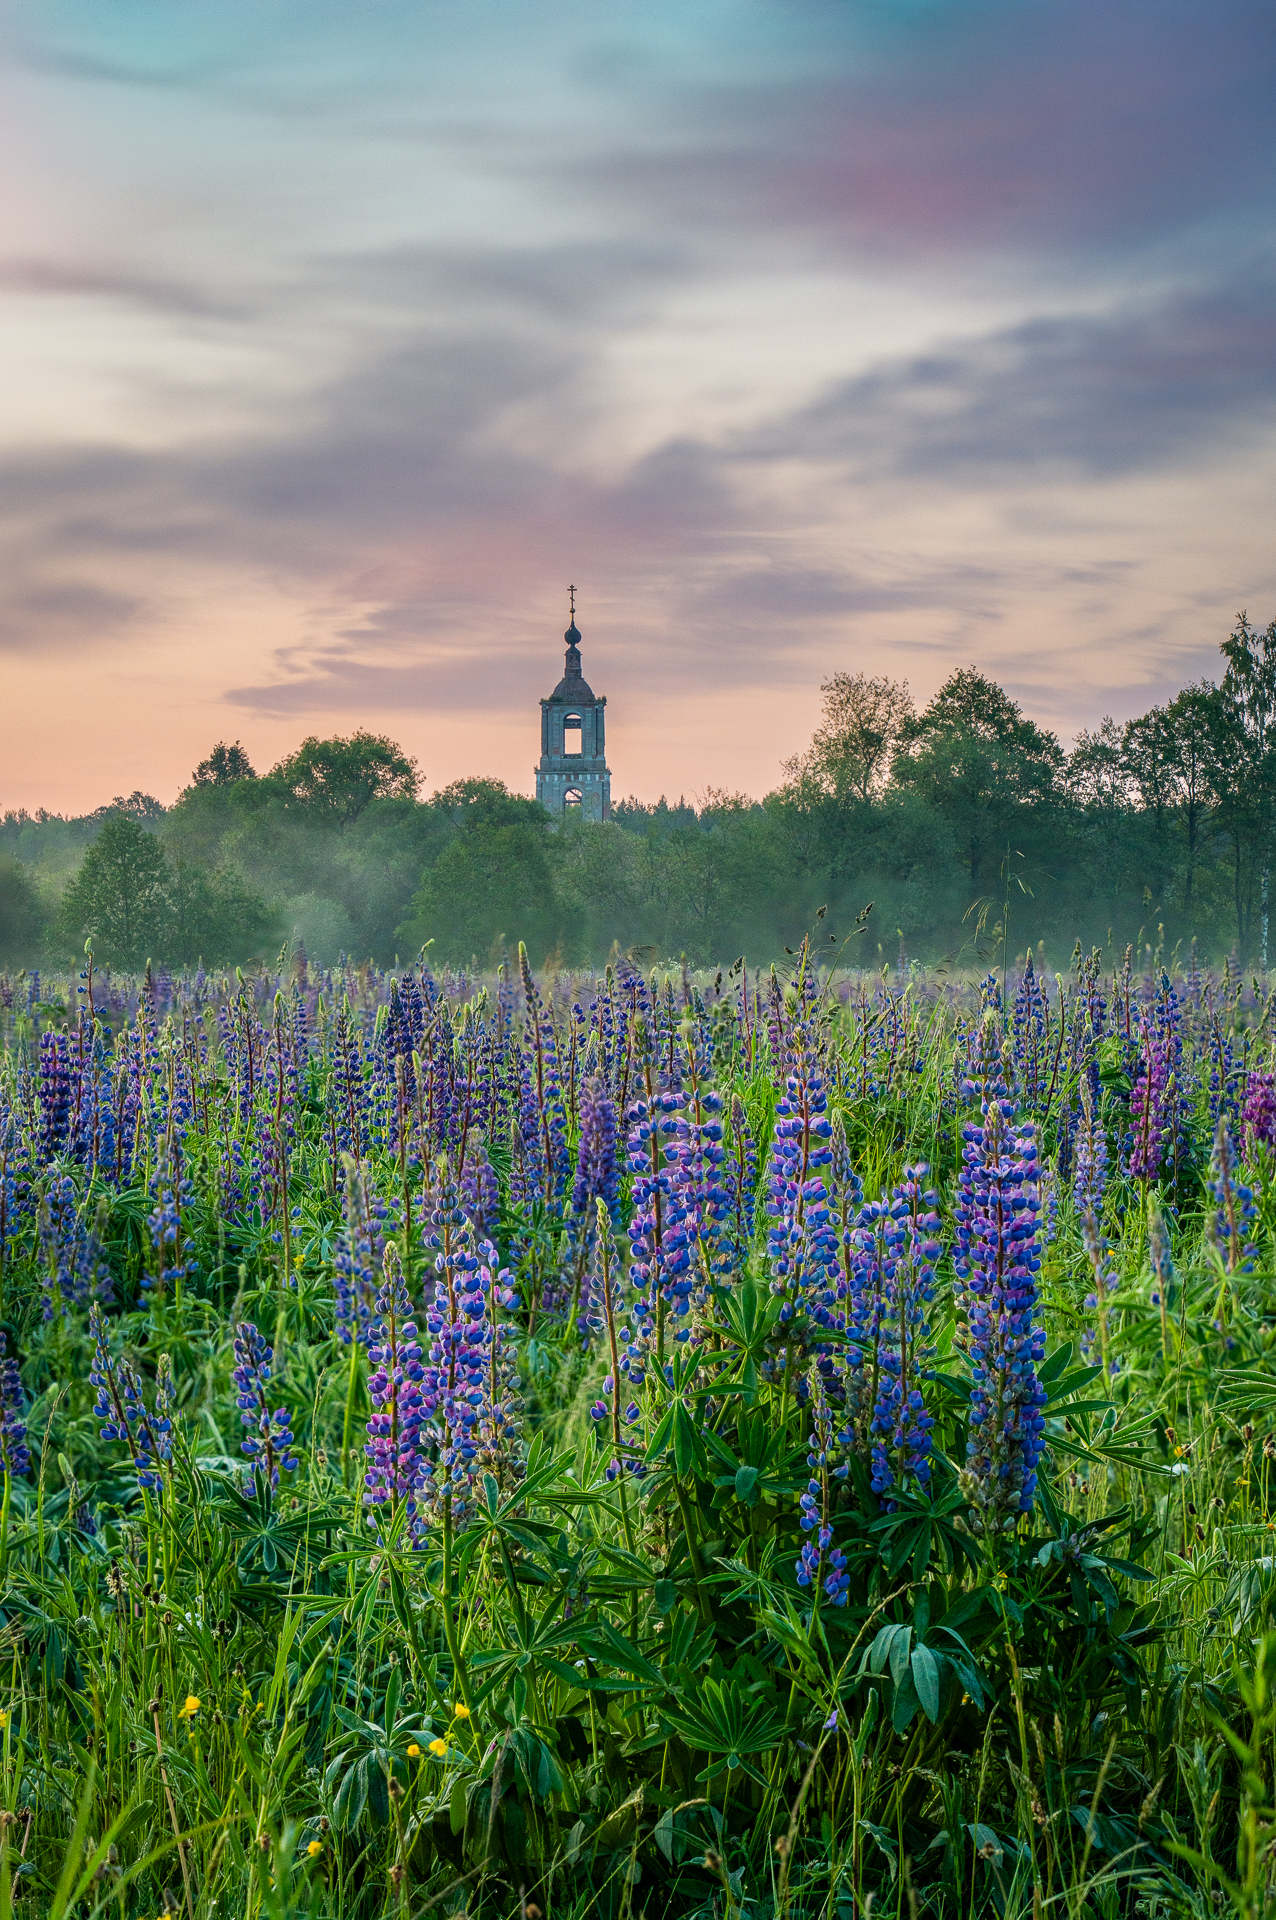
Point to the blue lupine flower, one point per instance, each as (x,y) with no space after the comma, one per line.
(268,1440)
(998,1257)
(119,1404)
(901,1426)
(14,1452)
(1235,1206)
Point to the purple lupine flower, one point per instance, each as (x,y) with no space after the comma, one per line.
(1090,1180)
(480,1190)
(597,1169)
(170,1191)
(70,1253)
(347,1097)
(267,1441)
(497,1433)
(455,1376)
(1235,1207)
(901,1426)
(801,1238)
(695,1157)
(597,1179)
(543,1114)
(1030,1031)
(55,1093)
(14,1452)
(1149,1108)
(659,1271)
(1106,1281)
(1260,1110)
(120,1405)
(818,1552)
(360,1245)
(395,1388)
(1159,1104)
(998,1257)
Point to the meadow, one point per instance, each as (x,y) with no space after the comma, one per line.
(635,1443)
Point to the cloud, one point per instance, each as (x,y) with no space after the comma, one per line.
(1083,395)
(63,614)
(45,278)
(983,126)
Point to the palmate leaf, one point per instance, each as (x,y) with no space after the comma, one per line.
(722,1722)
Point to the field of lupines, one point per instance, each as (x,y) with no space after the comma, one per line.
(749,1445)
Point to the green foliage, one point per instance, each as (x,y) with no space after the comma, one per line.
(1157,832)
(137,904)
(334,781)
(224,767)
(22,915)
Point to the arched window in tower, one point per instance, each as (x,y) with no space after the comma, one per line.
(573,775)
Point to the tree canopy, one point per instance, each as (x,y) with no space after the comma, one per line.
(337,779)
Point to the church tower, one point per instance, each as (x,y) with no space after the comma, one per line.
(573,775)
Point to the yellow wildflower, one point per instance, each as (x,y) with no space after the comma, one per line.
(414,1752)
(4,1718)
(439,1747)
(461,1711)
(191,1708)
(315,1847)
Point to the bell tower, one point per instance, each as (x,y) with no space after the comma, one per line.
(573,775)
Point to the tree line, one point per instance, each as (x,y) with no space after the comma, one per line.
(940,832)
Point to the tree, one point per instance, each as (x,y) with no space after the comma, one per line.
(21,914)
(1098,781)
(335,780)
(491,884)
(223,767)
(208,915)
(118,895)
(1249,684)
(851,750)
(1197,732)
(974,757)
(139,806)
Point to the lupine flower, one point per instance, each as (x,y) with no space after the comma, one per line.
(1030,1031)
(901,1426)
(606,1302)
(597,1179)
(395,1388)
(170,1191)
(1149,1102)
(14,1452)
(997,1259)
(695,1156)
(1091,1177)
(1098,1252)
(818,1552)
(660,1271)
(267,1441)
(801,1239)
(1259,1119)
(1235,1207)
(360,1246)
(456,1373)
(741,1181)
(120,1405)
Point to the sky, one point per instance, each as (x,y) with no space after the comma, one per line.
(337,337)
